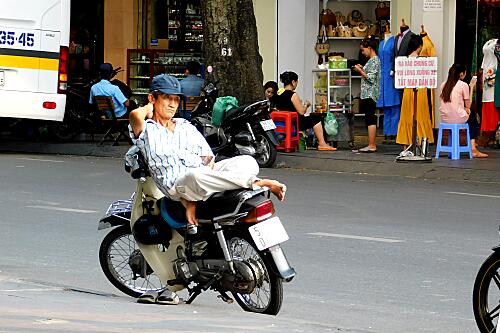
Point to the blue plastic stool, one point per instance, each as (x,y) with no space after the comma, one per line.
(453,148)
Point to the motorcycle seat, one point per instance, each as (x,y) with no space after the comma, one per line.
(234,111)
(174,213)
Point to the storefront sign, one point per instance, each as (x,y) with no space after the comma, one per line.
(416,72)
(433,5)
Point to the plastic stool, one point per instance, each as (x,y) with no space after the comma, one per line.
(287,122)
(453,148)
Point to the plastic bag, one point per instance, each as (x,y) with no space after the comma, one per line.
(331,125)
(221,106)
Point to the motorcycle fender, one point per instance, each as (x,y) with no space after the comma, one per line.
(112,221)
(284,270)
(272,137)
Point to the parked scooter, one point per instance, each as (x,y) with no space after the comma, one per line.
(485,296)
(235,250)
(246,130)
(79,116)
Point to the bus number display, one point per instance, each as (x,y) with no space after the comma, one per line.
(11,38)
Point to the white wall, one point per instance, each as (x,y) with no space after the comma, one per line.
(297,24)
(266,16)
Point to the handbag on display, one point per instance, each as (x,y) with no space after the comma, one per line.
(360,30)
(331,31)
(322,47)
(354,18)
(343,30)
(340,17)
(383,11)
(327,17)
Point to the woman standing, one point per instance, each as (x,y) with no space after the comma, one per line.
(289,101)
(456,99)
(424,125)
(370,89)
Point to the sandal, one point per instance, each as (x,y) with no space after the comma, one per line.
(327,148)
(367,150)
(167,298)
(149,297)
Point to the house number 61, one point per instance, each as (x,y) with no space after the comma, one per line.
(226,52)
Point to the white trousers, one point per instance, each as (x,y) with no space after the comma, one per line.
(229,174)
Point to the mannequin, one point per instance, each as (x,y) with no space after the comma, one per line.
(390,98)
(428,50)
(490,115)
(497,82)
(401,45)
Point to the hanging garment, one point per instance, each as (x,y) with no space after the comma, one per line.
(391,119)
(424,125)
(389,95)
(490,117)
(390,98)
(428,50)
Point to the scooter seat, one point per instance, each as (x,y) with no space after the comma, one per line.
(219,204)
(232,112)
(174,213)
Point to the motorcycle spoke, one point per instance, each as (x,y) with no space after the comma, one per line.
(494,313)
(496,278)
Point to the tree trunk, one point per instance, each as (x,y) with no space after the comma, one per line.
(231,48)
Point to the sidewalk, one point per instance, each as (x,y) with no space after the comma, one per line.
(344,160)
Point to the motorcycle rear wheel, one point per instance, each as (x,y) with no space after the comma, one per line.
(486,294)
(266,151)
(114,253)
(267,297)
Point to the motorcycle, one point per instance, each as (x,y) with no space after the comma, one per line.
(236,248)
(246,130)
(485,296)
(79,116)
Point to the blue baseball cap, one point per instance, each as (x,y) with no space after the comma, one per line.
(166,84)
(106,67)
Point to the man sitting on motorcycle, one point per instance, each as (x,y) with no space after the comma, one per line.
(179,158)
(105,88)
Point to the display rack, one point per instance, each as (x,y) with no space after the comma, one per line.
(333,90)
(185,25)
(144,64)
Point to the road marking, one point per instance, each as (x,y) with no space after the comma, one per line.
(62,209)
(29,289)
(39,160)
(475,195)
(373,239)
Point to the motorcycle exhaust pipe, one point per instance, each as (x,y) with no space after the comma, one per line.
(284,269)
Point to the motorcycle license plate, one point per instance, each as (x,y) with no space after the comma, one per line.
(267,125)
(268,233)
(2,78)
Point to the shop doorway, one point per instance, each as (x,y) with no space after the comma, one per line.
(86,51)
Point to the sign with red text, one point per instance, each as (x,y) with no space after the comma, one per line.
(415,72)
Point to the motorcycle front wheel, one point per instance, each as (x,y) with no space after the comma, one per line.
(265,151)
(124,266)
(486,294)
(267,297)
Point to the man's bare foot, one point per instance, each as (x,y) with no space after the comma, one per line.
(190,211)
(276,187)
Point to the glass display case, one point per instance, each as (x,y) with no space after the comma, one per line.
(144,64)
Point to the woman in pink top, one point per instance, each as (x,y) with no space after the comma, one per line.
(456,99)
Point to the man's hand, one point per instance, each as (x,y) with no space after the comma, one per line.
(208,161)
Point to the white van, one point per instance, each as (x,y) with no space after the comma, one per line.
(34,39)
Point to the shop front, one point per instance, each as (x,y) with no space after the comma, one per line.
(346,23)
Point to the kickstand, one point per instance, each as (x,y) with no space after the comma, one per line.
(194,292)
(224,296)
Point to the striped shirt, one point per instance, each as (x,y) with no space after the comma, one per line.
(170,155)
